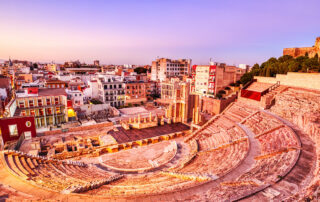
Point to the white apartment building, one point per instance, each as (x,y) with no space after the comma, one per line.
(165,68)
(76,96)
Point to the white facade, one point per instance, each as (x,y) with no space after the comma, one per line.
(3,93)
(76,96)
(92,90)
(201,79)
(24,70)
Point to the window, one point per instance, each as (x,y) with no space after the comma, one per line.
(56,100)
(27,135)
(31,104)
(21,104)
(120,86)
(58,85)
(40,102)
(41,112)
(13,130)
(23,112)
(48,101)
(50,111)
(32,112)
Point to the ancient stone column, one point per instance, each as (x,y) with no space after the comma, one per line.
(139,118)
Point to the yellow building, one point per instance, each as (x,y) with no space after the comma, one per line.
(48,106)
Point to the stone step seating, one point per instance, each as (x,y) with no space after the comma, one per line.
(267,98)
(276,140)
(213,140)
(295,102)
(224,122)
(270,170)
(261,122)
(143,185)
(193,149)
(141,158)
(259,86)
(52,174)
(218,162)
(7,193)
(301,107)
(239,111)
(224,192)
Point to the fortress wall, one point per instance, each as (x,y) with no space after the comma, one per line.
(301,80)
(296,52)
(289,51)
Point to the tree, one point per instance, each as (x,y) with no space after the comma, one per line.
(268,72)
(95,101)
(140,70)
(222,92)
(246,78)
(219,96)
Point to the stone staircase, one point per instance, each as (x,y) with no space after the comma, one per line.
(268,99)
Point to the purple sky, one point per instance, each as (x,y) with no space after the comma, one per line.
(137,31)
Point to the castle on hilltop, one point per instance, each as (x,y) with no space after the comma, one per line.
(311,51)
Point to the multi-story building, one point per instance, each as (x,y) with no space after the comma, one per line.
(166,68)
(96,63)
(52,67)
(225,75)
(175,95)
(48,106)
(91,91)
(209,79)
(56,83)
(203,79)
(111,91)
(135,92)
(76,96)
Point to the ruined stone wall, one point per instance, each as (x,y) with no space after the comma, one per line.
(80,128)
(215,106)
(296,52)
(301,80)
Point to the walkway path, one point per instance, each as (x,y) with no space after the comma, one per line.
(192,193)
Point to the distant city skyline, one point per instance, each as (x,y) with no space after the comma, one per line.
(137,32)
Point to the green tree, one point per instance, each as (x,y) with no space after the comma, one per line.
(268,72)
(140,70)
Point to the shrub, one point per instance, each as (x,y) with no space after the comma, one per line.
(219,96)
(227,88)
(222,92)
(95,101)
